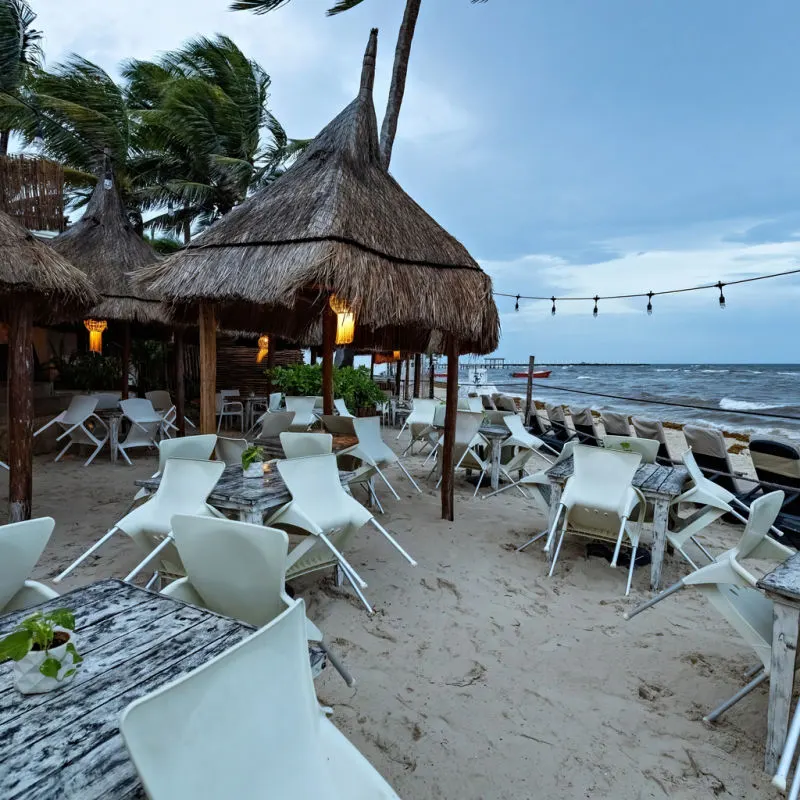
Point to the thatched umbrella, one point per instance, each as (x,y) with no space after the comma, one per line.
(35,284)
(104,244)
(336,234)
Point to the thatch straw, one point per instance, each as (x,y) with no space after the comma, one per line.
(336,221)
(32,192)
(104,244)
(30,269)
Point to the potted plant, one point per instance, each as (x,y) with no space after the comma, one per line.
(43,649)
(253,461)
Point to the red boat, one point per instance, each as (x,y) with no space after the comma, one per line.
(543,373)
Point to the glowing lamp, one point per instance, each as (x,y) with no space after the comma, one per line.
(95,328)
(263,348)
(396,355)
(345,320)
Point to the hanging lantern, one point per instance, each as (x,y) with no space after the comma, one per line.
(345,320)
(95,328)
(396,355)
(263,348)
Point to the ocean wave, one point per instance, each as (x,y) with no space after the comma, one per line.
(670,369)
(730,404)
(789,373)
(714,370)
(583,378)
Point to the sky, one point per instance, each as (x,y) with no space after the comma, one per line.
(576,147)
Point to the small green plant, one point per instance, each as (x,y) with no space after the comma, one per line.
(252,454)
(38,632)
(353,385)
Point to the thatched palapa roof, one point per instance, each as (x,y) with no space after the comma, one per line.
(336,221)
(29,268)
(104,244)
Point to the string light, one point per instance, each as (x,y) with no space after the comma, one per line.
(516,305)
(594,312)
(553,309)
(650,304)
(720,284)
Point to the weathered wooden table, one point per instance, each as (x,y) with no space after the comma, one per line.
(659,484)
(112,418)
(496,435)
(66,744)
(782,586)
(272,444)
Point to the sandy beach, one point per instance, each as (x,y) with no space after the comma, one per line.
(479,676)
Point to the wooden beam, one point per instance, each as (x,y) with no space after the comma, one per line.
(417,373)
(20,411)
(529,390)
(431,377)
(406,395)
(273,346)
(399,370)
(372,367)
(126,358)
(180,383)
(208,368)
(328,343)
(450,430)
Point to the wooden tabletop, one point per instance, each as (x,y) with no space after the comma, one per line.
(495,431)
(654,479)
(784,580)
(66,744)
(272,444)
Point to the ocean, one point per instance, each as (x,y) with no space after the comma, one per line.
(725,394)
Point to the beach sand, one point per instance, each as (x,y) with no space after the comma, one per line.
(479,676)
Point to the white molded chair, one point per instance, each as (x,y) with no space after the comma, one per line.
(303,408)
(21,546)
(598,501)
(227,406)
(373,451)
(74,424)
(731,588)
(275,402)
(420,418)
(273,423)
(301,445)
(230,450)
(162,403)
(647,448)
(251,710)
(339,424)
(322,507)
(464,454)
(236,569)
(107,401)
(184,488)
(341,408)
(146,424)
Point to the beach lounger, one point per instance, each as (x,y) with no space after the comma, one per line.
(202,736)
(302,445)
(542,431)
(75,424)
(558,423)
(711,453)
(303,408)
(487,402)
(731,588)
(653,429)
(777,462)
(238,570)
(146,424)
(615,424)
(21,546)
(583,422)
(647,448)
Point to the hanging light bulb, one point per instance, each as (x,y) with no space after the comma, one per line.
(95,328)
(553,309)
(516,305)
(263,348)
(594,311)
(345,320)
(720,284)
(38,139)
(650,303)
(396,355)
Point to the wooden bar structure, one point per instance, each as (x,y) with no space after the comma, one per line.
(20,411)
(208,368)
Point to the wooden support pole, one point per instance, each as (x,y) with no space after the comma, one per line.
(406,395)
(450,430)
(180,383)
(399,369)
(372,367)
(328,343)
(20,411)
(273,346)
(313,355)
(417,373)
(208,368)
(529,390)
(431,378)
(126,358)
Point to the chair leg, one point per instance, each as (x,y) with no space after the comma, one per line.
(338,666)
(653,600)
(531,541)
(703,550)
(393,542)
(124,454)
(64,450)
(552,532)
(99,543)
(743,692)
(408,475)
(346,566)
(358,591)
(391,488)
(619,542)
(153,553)
(631,567)
(478,484)
(96,451)
(558,547)
(374,495)
(156,579)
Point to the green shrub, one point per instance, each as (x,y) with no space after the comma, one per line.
(353,385)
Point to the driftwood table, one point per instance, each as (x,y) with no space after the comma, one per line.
(496,434)
(659,484)
(66,744)
(782,586)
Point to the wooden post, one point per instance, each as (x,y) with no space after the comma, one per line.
(273,346)
(417,373)
(180,384)
(126,358)
(313,355)
(398,365)
(529,390)
(372,367)
(408,375)
(20,410)
(450,429)
(208,368)
(431,379)
(328,343)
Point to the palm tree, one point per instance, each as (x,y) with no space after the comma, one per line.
(20,51)
(399,69)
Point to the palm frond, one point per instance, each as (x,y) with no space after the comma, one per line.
(257,6)
(343,5)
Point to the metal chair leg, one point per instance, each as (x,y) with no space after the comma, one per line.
(743,692)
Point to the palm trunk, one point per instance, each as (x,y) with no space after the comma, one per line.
(5,137)
(398,85)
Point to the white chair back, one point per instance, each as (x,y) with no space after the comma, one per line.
(312,481)
(274,423)
(339,405)
(755,541)
(371,446)
(275,401)
(139,409)
(81,407)
(107,401)
(467,425)
(230,450)
(439,414)
(521,436)
(301,445)
(196,448)
(338,423)
(238,569)
(303,408)
(601,481)
(21,546)
(647,448)
(160,399)
(422,411)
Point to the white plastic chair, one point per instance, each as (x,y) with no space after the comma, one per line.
(303,408)
(107,401)
(226,406)
(322,507)
(162,402)
(372,450)
(336,423)
(230,450)
(420,418)
(647,448)
(146,425)
(273,423)
(599,500)
(74,423)
(301,445)
(236,569)
(184,487)
(275,402)
(731,588)
(464,454)
(341,408)
(21,546)
(250,711)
